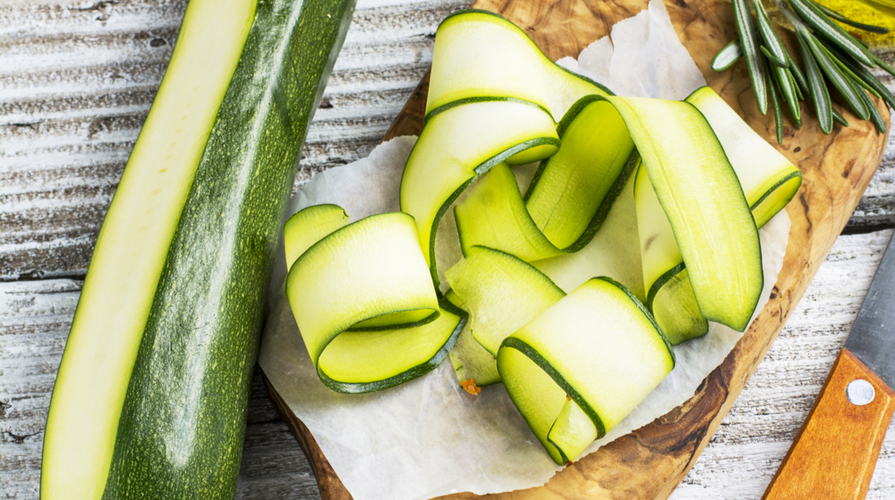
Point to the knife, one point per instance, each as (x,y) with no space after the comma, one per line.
(836,451)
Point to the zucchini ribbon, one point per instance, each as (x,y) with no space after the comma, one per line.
(367,297)
(363,299)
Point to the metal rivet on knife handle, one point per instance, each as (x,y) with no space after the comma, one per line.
(860,392)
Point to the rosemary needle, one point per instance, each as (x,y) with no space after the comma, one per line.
(830,56)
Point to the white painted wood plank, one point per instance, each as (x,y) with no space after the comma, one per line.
(737,464)
(742,457)
(76,82)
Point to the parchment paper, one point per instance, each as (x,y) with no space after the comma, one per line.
(429,437)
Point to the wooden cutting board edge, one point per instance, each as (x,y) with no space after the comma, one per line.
(651,461)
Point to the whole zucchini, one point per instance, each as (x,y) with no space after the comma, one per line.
(151,396)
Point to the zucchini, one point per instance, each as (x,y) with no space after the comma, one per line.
(364,301)
(567,200)
(309,226)
(473,365)
(704,203)
(472,362)
(485,72)
(501,292)
(698,190)
(481,56)
(461,143)
(768,181)
(151,395)
(574,387)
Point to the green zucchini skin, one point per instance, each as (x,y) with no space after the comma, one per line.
(181,429)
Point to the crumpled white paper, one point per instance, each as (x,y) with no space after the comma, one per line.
(429,437)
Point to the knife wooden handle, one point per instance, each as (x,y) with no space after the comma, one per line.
(836,450)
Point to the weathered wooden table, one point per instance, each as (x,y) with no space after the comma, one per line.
(76,82)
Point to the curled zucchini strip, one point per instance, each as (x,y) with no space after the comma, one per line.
(458,145)
(309,226)
(481,56)
(695,184)
(567,200)
(364,302)
(768,180)
(701,196)
(501,292)
(582,365)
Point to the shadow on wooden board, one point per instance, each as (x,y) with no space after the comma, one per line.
(651,461)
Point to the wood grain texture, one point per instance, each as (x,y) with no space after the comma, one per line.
(836,451)
(737,464)
(652,461)
(76,80)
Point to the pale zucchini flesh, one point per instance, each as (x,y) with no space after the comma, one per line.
(567,200)
(365,304)
(473,362)
(493,215)
(307,227)
(501,292)
(572,191)
(704,203)
(120,285)
(768,180)
(479,55)
(367,361)
(675,309)
(369,269)
(609,357)
(458,145)
(470,360)
(572,431)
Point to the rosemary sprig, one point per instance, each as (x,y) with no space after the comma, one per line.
(749,42)
(829,54)
(727,56)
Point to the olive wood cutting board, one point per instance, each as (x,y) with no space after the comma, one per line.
(651,461)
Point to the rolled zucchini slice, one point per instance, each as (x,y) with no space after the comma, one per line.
(700,195)
(481,56)
(769,182)
(567,200)
(472,362)
(457,146)
(501,292)
(310,225)
(365,304)
(582,365)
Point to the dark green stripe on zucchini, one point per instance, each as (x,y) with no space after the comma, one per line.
(181,429)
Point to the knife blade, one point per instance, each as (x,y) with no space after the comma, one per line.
(836,451)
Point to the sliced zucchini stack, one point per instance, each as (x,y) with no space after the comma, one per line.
(568,198)
(581,366)
(366,295)
(364,301)
(461,143)
(768,180)
(701,196)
